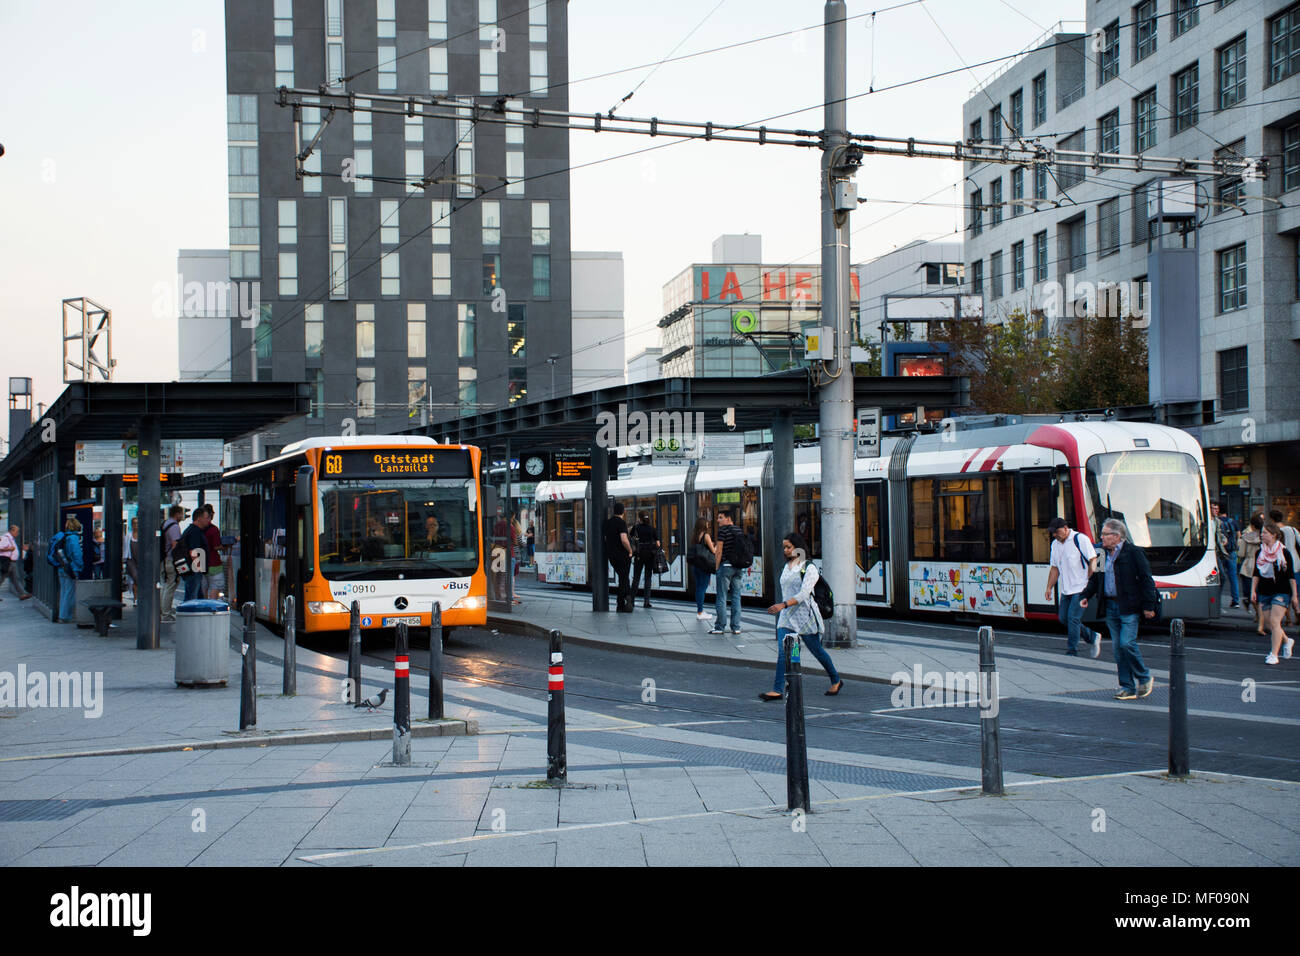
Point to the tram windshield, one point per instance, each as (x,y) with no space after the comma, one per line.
(1160,497)
(388,528)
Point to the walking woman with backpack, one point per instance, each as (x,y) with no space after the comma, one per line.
(704,561)
(798,614)
(1273,589)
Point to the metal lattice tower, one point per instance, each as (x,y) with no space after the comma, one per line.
(93,328)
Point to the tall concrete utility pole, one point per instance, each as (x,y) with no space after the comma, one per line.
(836,431)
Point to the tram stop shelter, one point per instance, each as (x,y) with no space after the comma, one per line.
(145,413)
(778,401)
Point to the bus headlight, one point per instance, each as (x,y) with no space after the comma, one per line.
(326,607)
(470,602)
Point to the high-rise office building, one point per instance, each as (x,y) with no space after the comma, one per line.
(405,274)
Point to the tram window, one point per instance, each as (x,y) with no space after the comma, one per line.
(868,512)
(670,529)
(1002,516)
(1040,502)
(562,521)
(923,518)
(963,520)
(807,517)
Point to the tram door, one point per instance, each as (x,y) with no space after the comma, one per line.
(672,537)
(1043,500)
(873,550)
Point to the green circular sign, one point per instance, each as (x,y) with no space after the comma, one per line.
(744,321)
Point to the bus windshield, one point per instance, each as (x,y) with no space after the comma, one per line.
(1159,497)
(388,528)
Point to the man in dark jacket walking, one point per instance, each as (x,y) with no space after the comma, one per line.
(1128,592)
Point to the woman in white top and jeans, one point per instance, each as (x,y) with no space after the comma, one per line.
(798,614)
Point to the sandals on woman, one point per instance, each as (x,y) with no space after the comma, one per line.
(769,696)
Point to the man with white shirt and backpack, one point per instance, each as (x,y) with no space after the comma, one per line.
(1073,561)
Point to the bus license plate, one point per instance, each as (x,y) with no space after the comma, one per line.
(394,621)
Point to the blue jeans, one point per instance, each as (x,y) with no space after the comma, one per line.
(67,596)
(811,641)
(1124,637)
(1228,575)
(193,586)
(701,586)
(1071,616)
(728,587)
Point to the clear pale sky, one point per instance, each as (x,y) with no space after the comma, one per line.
(113,118)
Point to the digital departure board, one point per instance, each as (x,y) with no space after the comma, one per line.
(395,463)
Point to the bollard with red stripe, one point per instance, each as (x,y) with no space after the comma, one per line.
(402,699)
(556,759)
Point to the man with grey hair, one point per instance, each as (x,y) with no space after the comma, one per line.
(1127,592)
(11,559)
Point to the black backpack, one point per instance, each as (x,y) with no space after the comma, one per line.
(162,539)
(822,596)
(742,549)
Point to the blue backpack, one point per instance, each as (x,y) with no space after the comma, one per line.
(56,556)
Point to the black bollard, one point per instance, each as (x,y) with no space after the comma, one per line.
(435,663)
(990,747)
(402,699)
(1179,760)
(248,676)
(290,686)
(556,759)
(796,740)
(354,655)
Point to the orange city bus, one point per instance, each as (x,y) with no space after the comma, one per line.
(392,524)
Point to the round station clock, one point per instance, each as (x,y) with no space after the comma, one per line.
(534,465)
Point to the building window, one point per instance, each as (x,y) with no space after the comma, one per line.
(1108,55)
(1040,182)
(995,274)
(284,64)
(415,328)
(243,222)
(1228,189)
(514,122)
(1140,307)
(1017,113)
(314,328)
(414,129)
(541,223)
(283,13)
(1186,97)
(361,127)
(1108,134)
(977,276)
(465,331)
(243,169)
(1232,73)
(1017,266)
(1017,190)
(244,264)
(1067,176)
(517,333)
(465,149)
(541,277)
(1186,15)
(386,61)
(287,232)
(977,212)
(995,125)
(1140,227)
(365,391)
(440,217)
(417,391)
(1144,120)
(389,233)
(1144,30)
(288,274)
(1284,44)
(386,15)
(491,222)
(1076,239)
(338,248)
(262,344)
(514,172)
(441,273)
(317,384)
(467,394)
(1040,256)
(363,170)
(241,118)
(491,272)
(1040,99)
(977,130)
(487,54)
(1232,278)
(995,201)
(438,69)
(537,76)
(334,64)
(437,19)
(1290,157)
(1107,228)
(365,330)
(1234,392)
(390,279)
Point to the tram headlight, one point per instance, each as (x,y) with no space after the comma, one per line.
(326,607)
(470,602)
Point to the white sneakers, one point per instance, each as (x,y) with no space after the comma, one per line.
(1271,659)
(702,616)
(1287,645)
(1096,644)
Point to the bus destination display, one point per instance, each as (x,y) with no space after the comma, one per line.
(396,463)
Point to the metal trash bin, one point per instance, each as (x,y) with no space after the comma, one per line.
(88,591)
(202,643)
